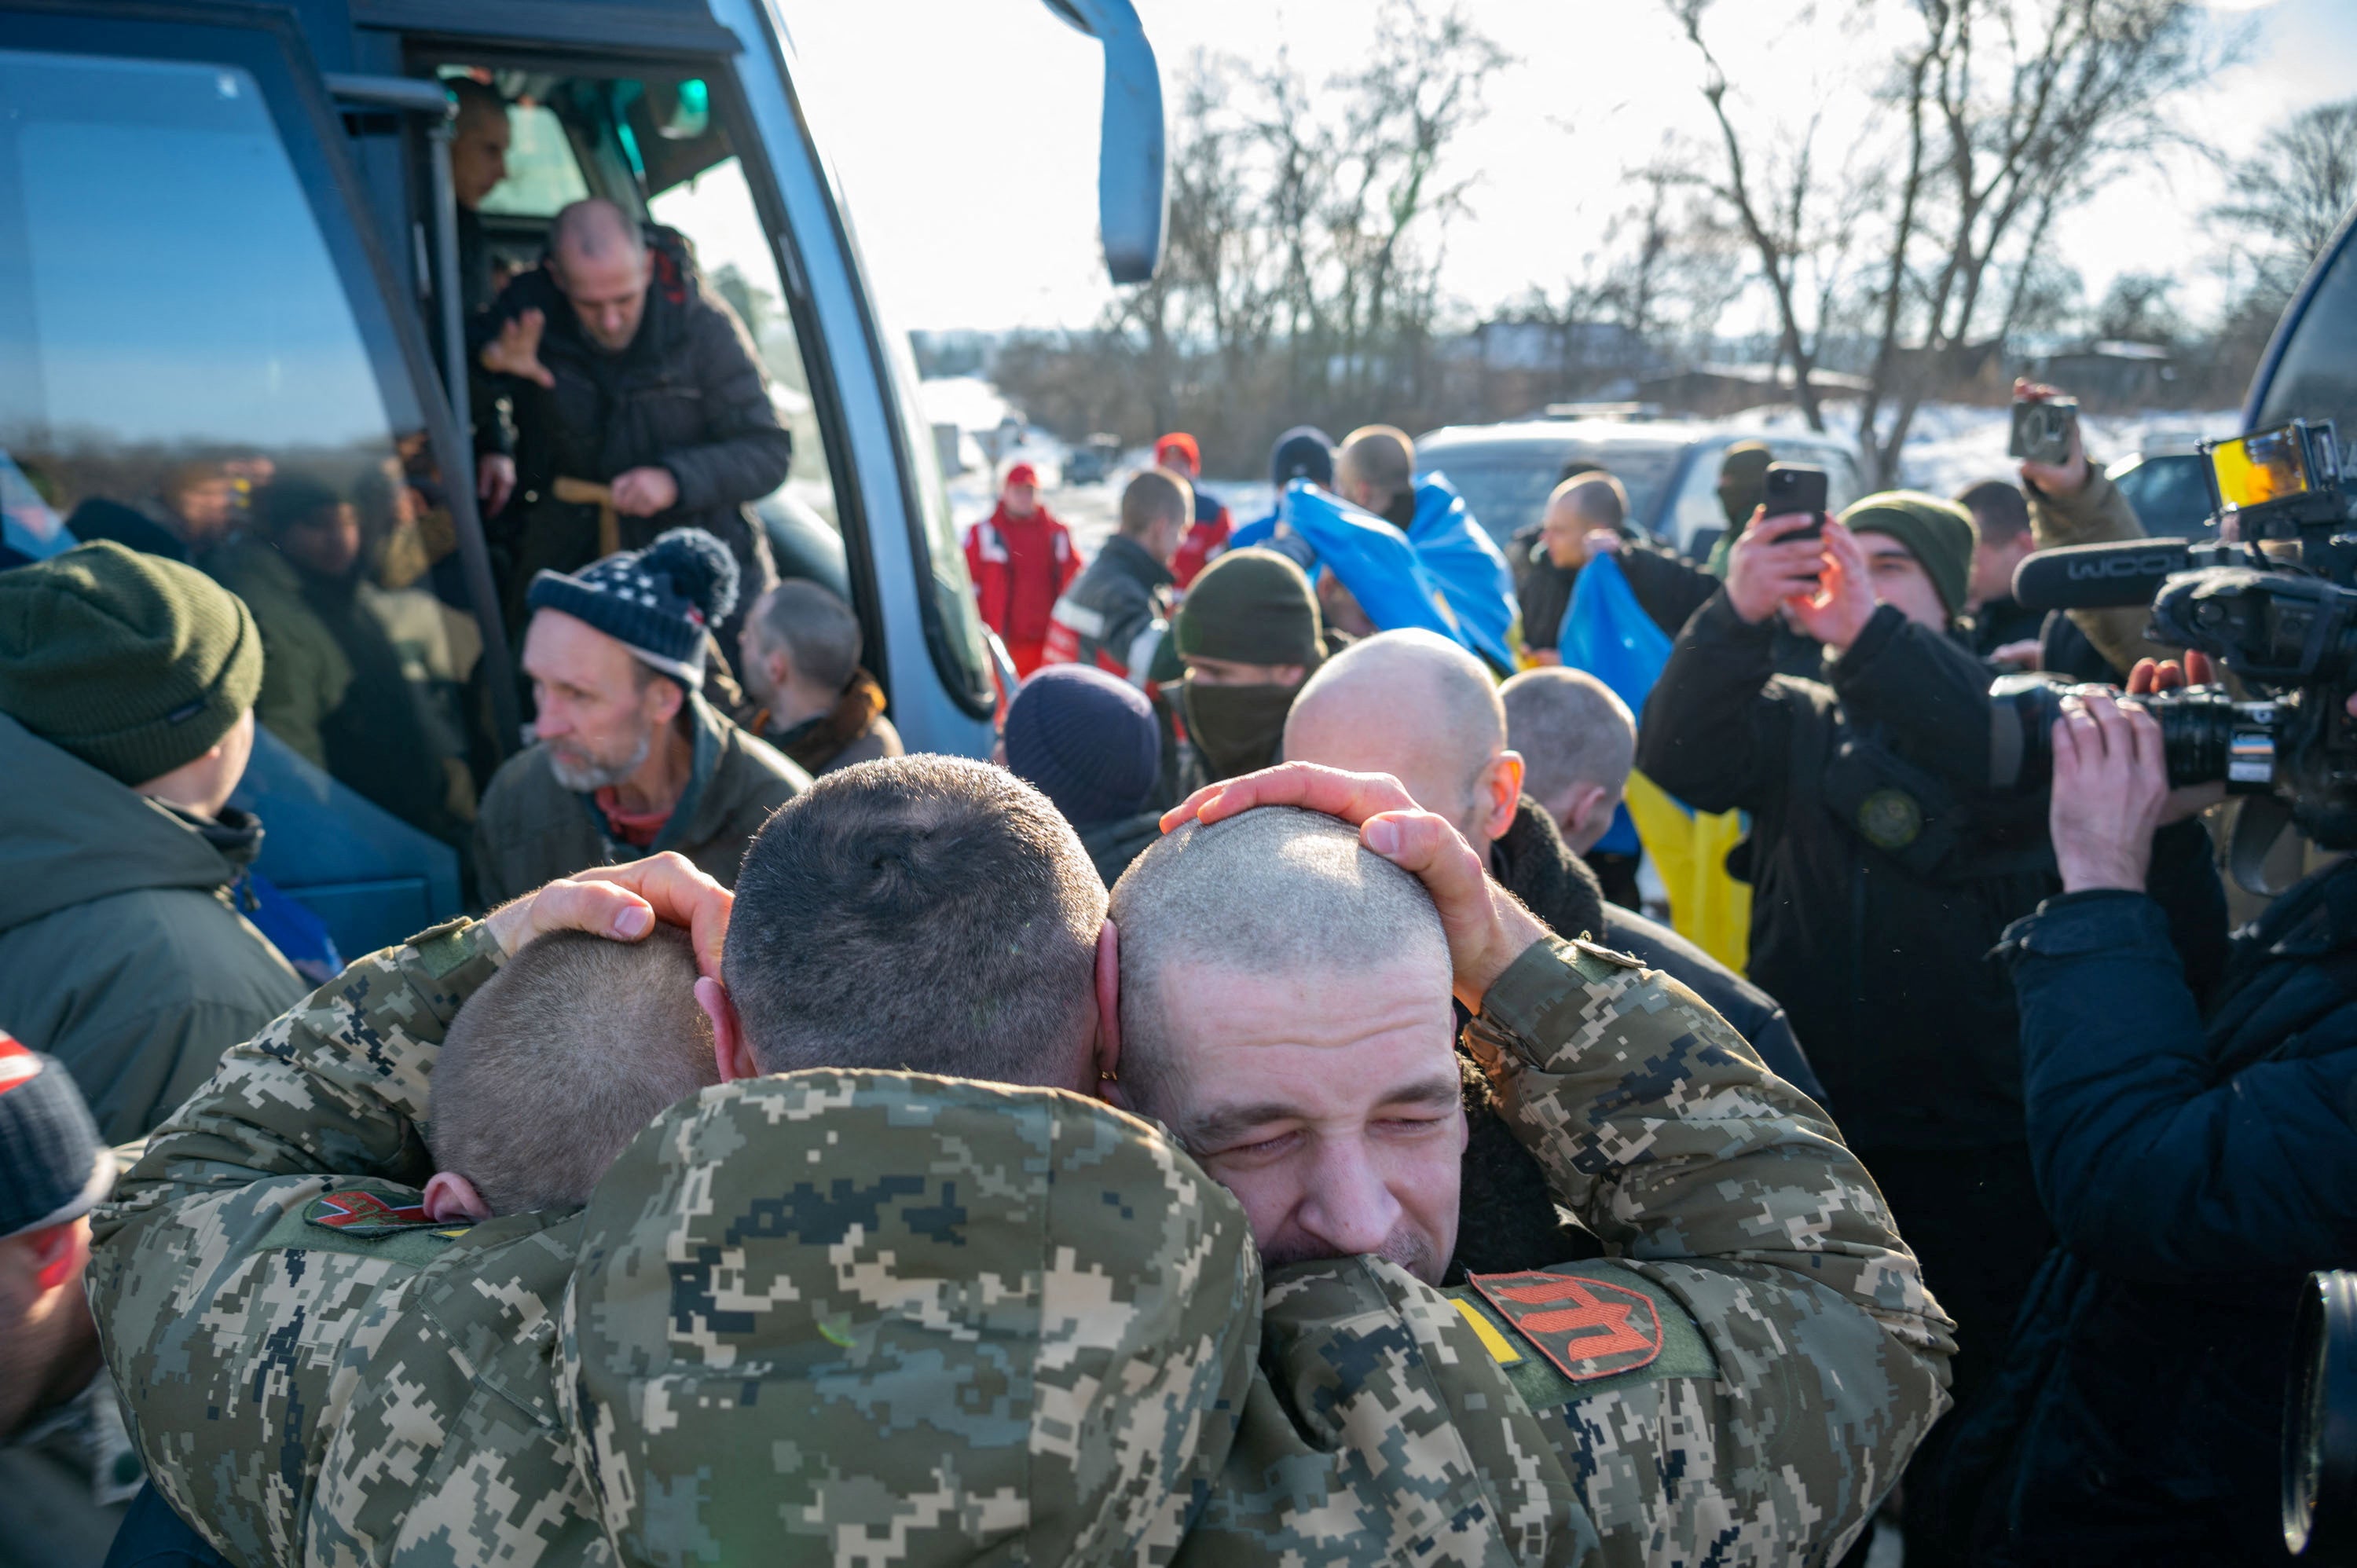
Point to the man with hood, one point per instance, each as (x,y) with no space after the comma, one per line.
(127,684)
(1305,453)
(1021,560)
(625,369)
(628,758)
(1209,533)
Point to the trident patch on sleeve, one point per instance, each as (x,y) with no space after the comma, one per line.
(1592,1327)
(1589,1327)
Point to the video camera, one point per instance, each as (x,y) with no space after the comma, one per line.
(2274,600)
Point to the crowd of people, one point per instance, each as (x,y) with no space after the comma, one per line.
(1251,1119)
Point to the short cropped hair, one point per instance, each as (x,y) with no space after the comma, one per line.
(560,1060)
(816,629)
(1271,891)
(928,913)
(1382,455)
(1158,494)
(2000,512)
(476,99)
(1570,728)
(1596,496)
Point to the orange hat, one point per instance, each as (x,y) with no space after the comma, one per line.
(1023,474)
(1180,441)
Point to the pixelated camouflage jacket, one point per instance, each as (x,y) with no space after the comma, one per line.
(1381,1427)
(1794,1364)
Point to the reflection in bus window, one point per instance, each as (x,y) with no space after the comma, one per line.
(185,376)
(542,176)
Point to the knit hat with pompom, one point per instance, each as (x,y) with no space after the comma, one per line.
(660,601)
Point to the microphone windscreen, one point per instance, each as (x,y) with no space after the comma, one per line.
(2097,576)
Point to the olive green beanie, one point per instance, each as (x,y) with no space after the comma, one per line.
(1938,533)
(1253,607)
(131,662)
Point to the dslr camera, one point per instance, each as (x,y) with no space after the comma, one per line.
(2274,601)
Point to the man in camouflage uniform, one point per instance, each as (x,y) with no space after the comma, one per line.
(310,1393)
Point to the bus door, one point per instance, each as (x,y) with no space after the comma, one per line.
(671,138)
(208,356)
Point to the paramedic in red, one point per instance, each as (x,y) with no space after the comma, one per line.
(1207,535)
(1021,561)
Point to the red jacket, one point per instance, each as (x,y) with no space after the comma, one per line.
(1020,566)
(1206,537)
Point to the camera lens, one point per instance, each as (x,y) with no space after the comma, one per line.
(2319,1439)
(2206,737)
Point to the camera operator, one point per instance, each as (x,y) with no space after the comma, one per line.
(1882,876)
(2194,1148)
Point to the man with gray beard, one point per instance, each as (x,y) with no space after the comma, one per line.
(627,760)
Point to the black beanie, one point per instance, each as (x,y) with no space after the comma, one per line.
(1088,740)
(660,602)
(1304,452)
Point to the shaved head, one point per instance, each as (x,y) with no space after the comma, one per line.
(1378,456)
(1285,1010)
(1594,498)
(1412,704)
(599,260)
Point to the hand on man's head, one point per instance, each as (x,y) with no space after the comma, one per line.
(1487,928)
(624,903)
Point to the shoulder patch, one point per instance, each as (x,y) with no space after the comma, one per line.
(364,1215)
(1580,1330)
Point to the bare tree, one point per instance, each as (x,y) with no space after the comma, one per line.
(2290,195)
(2010,111)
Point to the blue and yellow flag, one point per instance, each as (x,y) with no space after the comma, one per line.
(1608,633)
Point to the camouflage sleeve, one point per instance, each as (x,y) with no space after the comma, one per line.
(1704,1173)
(336,1085)
(224,1346)
(1378,1430)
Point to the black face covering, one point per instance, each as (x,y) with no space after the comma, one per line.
(1237,728)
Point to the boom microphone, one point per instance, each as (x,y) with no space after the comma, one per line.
(2097,576)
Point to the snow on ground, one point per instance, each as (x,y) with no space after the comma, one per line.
(1951,444)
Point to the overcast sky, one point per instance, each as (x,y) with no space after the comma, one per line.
(965,131)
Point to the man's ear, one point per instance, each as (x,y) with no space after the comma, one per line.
(731,1053)
(450,1196)
(1108,983)
(1504,786)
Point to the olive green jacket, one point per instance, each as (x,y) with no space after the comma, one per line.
(2098,514)
(813,1317)
(532,830)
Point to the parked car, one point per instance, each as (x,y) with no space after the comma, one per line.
(1670,468)
(2166,480)
(1091,462)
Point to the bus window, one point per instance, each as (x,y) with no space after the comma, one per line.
(543,175)
(187,377)
(714,211)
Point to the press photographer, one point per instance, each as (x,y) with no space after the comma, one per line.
(2192,1144)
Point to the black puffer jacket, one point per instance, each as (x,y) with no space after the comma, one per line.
(687,395)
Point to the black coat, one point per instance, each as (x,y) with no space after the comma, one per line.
(1881,878)
(687,395)
(2198,1164)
